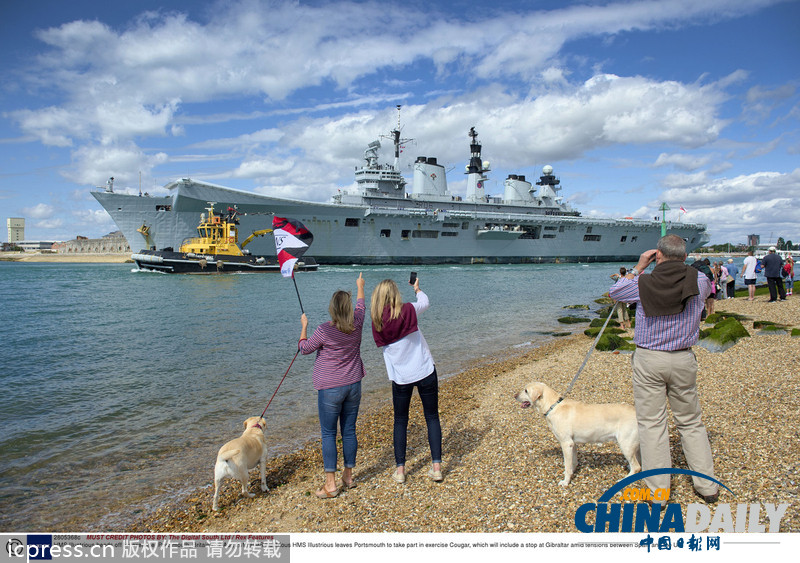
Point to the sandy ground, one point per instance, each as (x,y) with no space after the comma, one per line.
(502,464)
(66,258)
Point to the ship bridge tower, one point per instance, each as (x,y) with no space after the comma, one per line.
(476,170)
(548,192)
(380,179)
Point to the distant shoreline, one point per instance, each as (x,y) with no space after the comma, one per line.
(110,258)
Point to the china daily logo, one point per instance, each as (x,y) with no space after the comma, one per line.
(641,516)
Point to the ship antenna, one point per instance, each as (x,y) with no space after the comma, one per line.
(396,140)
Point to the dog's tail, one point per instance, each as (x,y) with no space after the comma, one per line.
(228,455)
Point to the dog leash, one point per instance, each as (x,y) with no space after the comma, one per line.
(279,384)
(583,365)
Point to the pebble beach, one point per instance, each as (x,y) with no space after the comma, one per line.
(501,462)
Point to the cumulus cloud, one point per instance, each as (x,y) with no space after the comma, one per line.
(682,161)
(39,211)
(122,83)
(736,206)
(519,132)
(50,224)
(93,217)
(94,164)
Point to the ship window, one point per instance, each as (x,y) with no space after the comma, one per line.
(594,238)
(449,234)
(450,225)
(588,230)
(425,234)
(163,208)
(624,238)
(386,233)
(551,228)
(633,239)
(349,222)
(405,234)
(548,236)
(561,229)
(465,225)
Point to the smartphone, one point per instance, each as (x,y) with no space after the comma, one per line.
(413,278)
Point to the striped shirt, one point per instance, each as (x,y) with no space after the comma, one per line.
(338,359)
(669,332)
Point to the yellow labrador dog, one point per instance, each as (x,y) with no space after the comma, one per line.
(573,422)
(237,457)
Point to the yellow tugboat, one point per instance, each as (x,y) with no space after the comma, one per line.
(215,250)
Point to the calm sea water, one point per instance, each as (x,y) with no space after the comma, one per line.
(120,385)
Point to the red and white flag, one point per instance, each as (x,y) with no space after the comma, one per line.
(292,239)
(682,209)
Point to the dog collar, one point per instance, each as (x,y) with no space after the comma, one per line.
(554,405)
(257,426)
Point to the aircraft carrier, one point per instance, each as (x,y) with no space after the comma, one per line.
(383,220)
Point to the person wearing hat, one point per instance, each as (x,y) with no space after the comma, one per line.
(733,271)
(772,270)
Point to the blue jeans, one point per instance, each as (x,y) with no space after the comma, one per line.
(428,389)
(339,405)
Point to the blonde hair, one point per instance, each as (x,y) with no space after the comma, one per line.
(341,310)
(385,294)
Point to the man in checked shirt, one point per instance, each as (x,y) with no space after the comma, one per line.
(669,303)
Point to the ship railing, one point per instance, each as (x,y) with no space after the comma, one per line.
(524,218)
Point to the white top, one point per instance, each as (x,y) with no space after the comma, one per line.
(409,359)
(749,271)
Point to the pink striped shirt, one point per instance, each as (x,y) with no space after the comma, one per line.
(670,332)
(338,359)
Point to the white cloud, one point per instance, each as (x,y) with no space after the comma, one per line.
(261,138)
(53,223)
(516,132)
(94,164)
(263,168)
(736,206)
(682,161)
(39,211)
(120,84)
(93,217)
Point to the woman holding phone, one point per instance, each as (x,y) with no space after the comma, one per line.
(409,364)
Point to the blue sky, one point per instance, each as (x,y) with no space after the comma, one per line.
(692,102)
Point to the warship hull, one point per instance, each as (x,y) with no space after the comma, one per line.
(398,230)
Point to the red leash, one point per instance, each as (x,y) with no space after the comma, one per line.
(279,384)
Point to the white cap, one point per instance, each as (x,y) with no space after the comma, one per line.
(772,249)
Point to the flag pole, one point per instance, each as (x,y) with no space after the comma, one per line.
(298,294)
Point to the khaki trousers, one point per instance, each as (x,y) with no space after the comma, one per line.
(659,377)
